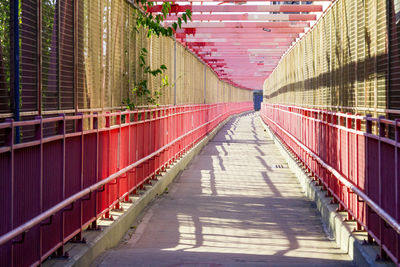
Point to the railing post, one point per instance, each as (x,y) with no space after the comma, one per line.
(16,70)
(106,192)
(39,136)
(9,141)
(382,133)
(94,225)
(79,237)
(358,128)
(118,185)
(128,181)
(368,130)
(348,126)
(396,181)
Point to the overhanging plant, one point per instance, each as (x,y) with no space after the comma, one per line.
(152,24)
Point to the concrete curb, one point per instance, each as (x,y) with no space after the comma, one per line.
(334,222)
(98,241)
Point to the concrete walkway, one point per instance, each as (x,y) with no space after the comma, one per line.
(237,204)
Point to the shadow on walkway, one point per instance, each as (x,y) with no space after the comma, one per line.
(231,207)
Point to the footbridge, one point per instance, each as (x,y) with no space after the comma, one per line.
(131,133)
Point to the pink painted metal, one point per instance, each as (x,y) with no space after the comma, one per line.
(237,28)
(360,170)
(66,181)
(241,1)
(246,8)
(244,24)
(249,17)
(243,35)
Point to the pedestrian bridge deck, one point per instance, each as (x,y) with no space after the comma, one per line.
(236,204)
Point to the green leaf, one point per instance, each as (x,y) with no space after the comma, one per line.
(184,18)
(175,26)
(163,67)
(189,13)
(180,22)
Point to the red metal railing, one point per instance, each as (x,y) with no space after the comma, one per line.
(53,187)
(359,169)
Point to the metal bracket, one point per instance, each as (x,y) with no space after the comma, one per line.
(69,209)
(116,182)
(103,189)
(49,222)
(21,240)
(78,240)
(88,198)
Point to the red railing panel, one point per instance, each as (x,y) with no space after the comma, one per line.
(335,150)
(54,187)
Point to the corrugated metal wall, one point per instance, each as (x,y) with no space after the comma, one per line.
(343,59)
(85,58)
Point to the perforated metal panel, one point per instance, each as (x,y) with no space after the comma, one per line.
(341,64)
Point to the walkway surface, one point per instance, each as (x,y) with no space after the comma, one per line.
(237,204)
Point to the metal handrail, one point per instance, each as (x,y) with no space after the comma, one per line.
(383,214)
(50,212)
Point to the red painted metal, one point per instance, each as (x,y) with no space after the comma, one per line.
(68,180)
(240,1)
(246,8)
(244,24)
(249,17)
(234,29)
(243,35)
(359,169)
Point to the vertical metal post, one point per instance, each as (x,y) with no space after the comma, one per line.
(79,128)
(205,83)
(175,72)
(39,136)
(61,130)
(75,28)
(128,182)
(94,226)
(368,129)
(358,128)
(39,56)
(9,141)
(382,133)
(376,57)
(348,126)
(388,53)
(396,181)
(16,66)
(106,192)
(58,53)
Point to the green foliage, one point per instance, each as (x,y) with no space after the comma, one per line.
(49,39)
(153,25)
(5,46)
(141,90)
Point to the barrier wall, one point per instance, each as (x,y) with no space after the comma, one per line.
(360,170)
(343,62)
(54,187)
(83,56)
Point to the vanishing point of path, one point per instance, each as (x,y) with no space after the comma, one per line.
(236,204)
